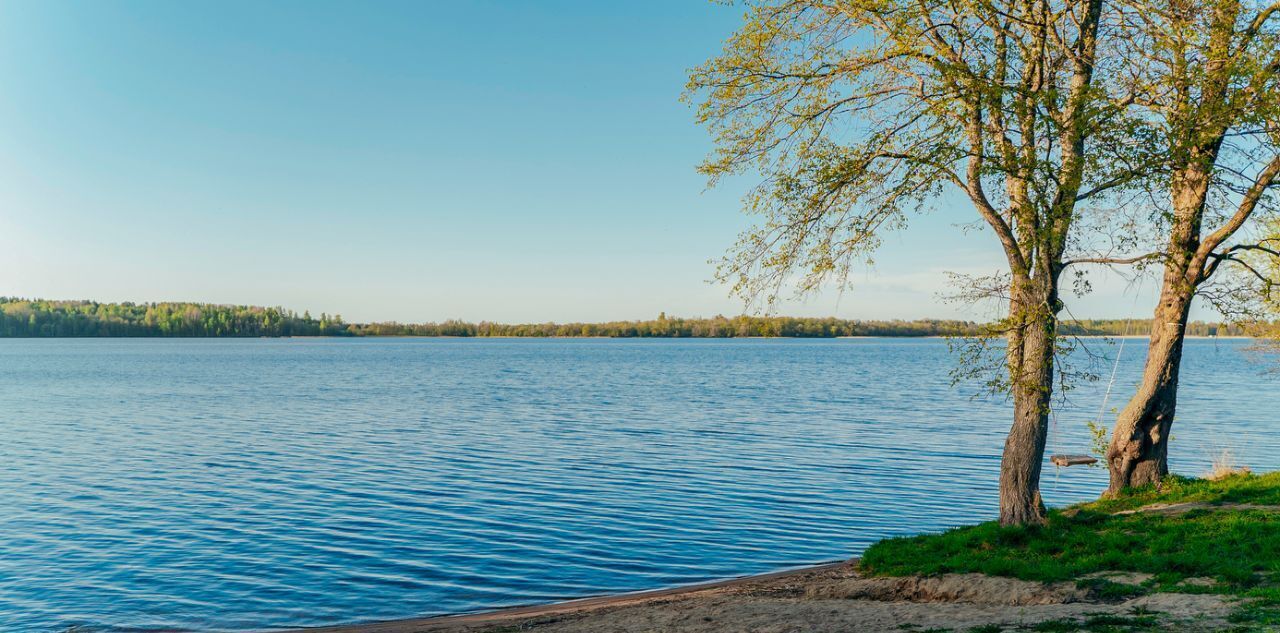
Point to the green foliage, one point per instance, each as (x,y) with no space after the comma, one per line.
(1232,546)
(41,318)
(736,327)
(673,327)
(1099,438)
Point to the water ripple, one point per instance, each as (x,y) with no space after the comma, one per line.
(231,485)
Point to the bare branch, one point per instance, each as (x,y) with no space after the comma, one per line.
(1265,180)
(1118,261)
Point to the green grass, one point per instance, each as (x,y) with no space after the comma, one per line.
(1245,488)
(1262,608)
(1238,548)
(1101,623)
(1230,546)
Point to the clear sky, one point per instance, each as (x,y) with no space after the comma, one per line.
(416,161)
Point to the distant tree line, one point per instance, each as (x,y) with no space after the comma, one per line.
(1142,327)
(673,327)
(41,318)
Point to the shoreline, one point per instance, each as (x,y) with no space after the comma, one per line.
(599,338)
(463,621)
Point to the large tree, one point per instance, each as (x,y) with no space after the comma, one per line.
(856,112)
(1207,79)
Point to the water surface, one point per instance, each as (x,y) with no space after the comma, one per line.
(229,485)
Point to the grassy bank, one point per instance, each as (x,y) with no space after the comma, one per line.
(1225,539)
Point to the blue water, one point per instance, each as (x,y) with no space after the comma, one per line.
(256,484)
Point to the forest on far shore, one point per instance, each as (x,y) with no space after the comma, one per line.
(39,318)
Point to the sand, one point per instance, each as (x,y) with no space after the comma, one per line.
(826,598)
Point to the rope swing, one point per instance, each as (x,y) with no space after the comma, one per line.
(1062,460)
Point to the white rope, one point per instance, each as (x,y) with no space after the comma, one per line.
(1055,440)
(1115,367)
(1112,382)
(1128,331)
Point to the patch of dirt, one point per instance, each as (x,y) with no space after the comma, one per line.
(1186,605)
(1183,508)
(1198,582)
(966,588)
(1135,578)
(739,614)
(830,599)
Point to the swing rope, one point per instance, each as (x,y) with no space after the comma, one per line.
(1060,460)
(1112,382)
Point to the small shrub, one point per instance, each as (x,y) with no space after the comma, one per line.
(1224,465)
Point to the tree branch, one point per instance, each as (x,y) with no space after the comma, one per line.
(1249,247)
(1265,180)
(1218,259)
(1113,260)
(1124,178)
(1258,21)
(978,194)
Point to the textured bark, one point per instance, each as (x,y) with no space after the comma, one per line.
(1031,349)
(1209,81)
(1139,450)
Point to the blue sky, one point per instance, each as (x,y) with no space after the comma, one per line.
(511,161)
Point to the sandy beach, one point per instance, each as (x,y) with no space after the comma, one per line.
(831,597)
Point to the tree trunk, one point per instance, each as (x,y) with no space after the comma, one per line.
(1031,375)
(1139,451)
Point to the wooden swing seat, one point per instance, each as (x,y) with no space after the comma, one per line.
(1072,460)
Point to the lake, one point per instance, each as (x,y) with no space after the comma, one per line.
(230,484)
